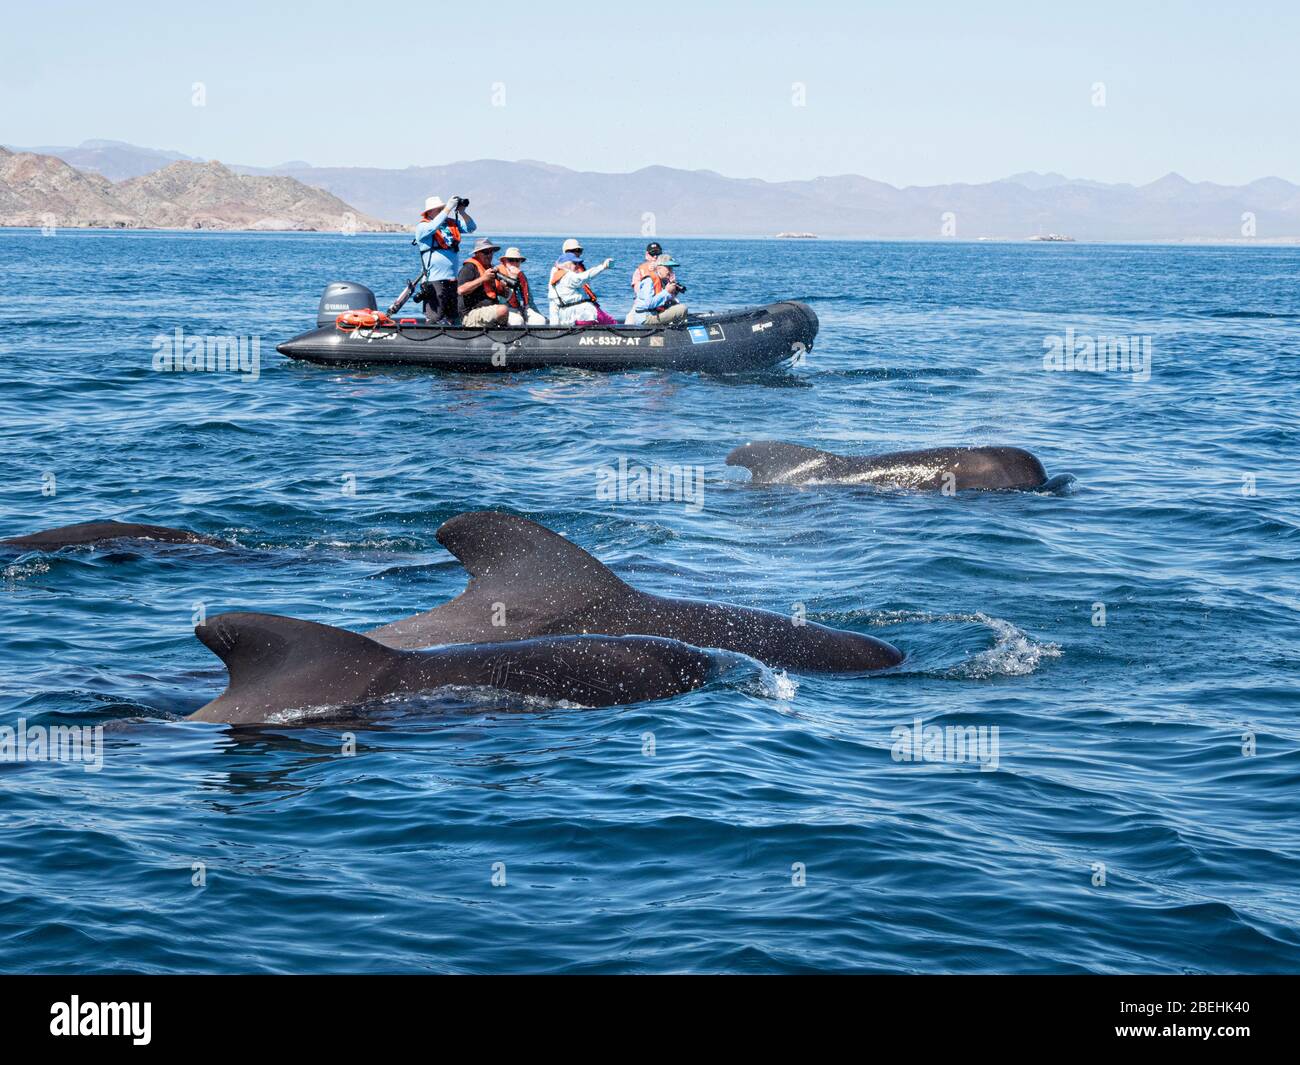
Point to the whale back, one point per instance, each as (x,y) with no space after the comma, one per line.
(926,469)
(579,670)
(278,664)
(91,532)
(537,583)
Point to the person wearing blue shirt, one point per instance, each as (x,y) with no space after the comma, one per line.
(438,236)
(656,295)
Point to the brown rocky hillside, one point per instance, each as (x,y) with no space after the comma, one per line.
(40,190)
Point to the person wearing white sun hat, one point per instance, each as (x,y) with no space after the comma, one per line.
(572,302)
(571,247)
(518,295)
(438,236)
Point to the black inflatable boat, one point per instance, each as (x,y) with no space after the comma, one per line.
(350,333)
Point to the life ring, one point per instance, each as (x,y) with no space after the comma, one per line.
(361,320)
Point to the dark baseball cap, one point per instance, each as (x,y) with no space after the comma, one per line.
(654,248)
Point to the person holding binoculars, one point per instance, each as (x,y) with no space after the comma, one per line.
(438,236)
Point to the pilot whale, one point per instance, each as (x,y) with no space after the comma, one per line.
(94,532)
(937,469)
(277,664)
(527,581)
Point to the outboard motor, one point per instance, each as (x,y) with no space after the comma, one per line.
(343,296)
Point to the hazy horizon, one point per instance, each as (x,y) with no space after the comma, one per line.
(110,141)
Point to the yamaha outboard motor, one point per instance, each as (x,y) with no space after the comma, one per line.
(343,296)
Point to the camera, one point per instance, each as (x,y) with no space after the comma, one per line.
(680,286)
(461,202)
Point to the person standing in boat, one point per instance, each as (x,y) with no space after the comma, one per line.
(518,296)
(438,236)
(480,288)
(656,300)
(571,297)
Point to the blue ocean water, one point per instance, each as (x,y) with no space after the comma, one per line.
(1143,809)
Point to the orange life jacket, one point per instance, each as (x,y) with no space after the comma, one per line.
(557,273)
(491,288)
(440,237)
(640,273)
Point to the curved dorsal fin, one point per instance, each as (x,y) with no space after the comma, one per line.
(524,581)
(276,663)
(494,546)
(772,460)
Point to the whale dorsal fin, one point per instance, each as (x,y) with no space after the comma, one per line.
(494,546)
(771,460)
(524,580)
(276,662)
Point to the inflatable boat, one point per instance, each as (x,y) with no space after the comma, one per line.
(350,332)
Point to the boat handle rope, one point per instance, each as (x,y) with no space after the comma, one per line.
(440,331)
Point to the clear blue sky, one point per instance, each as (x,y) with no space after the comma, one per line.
(909,93)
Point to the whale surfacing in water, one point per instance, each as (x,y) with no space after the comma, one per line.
(526,581)
(931,469)
(94,532)
(278,664)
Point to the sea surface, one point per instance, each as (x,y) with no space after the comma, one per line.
(1126,646)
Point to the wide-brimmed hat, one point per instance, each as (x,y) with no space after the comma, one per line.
(514,253)
(572,245)
(485,244)
(666,260)
(434,204)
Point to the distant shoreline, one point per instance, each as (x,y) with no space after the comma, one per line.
(1171,242)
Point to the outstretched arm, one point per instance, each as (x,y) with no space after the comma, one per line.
(587,275)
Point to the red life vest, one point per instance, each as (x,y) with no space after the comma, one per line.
(557,273)
(519,295)
(491,289)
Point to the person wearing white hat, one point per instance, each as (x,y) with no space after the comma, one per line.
(571,300)
(438,236)
(518,295)
(571,248)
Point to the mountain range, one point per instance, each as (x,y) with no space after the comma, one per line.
(527,196)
